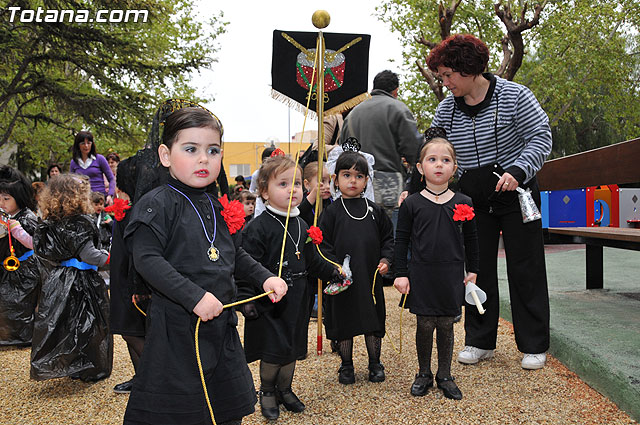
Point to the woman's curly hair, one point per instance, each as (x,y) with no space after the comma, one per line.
(65,195)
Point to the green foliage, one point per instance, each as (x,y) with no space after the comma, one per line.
(582,62)
(57,78)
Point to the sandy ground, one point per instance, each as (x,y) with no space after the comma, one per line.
(497,391)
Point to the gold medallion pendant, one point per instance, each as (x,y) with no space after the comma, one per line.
(213,253)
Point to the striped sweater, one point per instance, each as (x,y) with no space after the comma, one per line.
(521,126)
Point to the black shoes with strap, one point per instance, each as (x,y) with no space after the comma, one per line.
(421,384)
(449,388)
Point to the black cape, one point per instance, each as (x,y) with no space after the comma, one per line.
(279,335)
(71,334)
(19,288)
(169,248)
(125,318)
(353,312)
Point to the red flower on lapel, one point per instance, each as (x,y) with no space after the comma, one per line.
(315,235)
(463,212)
(233,214)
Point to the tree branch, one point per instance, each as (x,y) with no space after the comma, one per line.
(434,84)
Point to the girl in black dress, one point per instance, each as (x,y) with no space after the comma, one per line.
(277,334)
(440,227)
(18,288)
(355,226)
(182,245)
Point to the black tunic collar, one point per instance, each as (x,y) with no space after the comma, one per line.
(473,110)
(186,189)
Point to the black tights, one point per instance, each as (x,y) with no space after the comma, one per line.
(444,340)
(374,346)
(134,344)
(274,376)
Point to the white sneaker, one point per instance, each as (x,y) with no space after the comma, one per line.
(534,361)
(472,355)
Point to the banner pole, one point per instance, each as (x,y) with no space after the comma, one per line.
(320,114)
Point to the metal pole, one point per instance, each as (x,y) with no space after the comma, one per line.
(320,113)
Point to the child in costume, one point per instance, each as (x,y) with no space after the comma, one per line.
(355,226)
(18,288)
(248,201)
(277,335)
(438,224)
(182,245)
(307,213)
(104,222)
(71,334)
(126,320)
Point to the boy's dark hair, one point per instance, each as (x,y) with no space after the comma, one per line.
(188,118)
(267,153)
(386,80)
(114,156)
(51,167)
(246,195)
(97,197)
(239,178)
(350,159)
(81,137)
(463,53)
(14,183)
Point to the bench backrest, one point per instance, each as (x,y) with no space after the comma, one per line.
(613,164)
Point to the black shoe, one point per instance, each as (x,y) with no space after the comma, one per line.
(457,318)
(269,398)
(290,401)
(334,346)
(346,375)
(376,372)
(449,388)
(422,383)
(124,388)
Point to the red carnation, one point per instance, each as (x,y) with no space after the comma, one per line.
(277,152)
(233,214)
(118,208)
(463,212)
(315,234)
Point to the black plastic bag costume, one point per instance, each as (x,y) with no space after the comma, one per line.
(71,334)
(19,288)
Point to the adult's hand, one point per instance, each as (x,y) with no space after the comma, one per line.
(402,197)
(506,182)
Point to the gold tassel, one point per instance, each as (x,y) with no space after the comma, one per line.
(349,104)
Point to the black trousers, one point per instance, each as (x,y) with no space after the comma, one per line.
(526,272)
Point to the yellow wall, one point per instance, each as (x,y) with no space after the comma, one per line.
(247,153)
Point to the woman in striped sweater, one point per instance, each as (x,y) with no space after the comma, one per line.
(497,127)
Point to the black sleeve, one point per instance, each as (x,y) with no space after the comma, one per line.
(248,269)
(316,265)
(222,182)
(403,235)
(147,252)
(307,211)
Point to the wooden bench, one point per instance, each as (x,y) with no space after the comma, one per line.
(614,164)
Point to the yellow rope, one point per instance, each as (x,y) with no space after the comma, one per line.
(399,351)
(373,287)
(204,384)
(139,309)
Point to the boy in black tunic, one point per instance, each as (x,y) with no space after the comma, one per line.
(182,245)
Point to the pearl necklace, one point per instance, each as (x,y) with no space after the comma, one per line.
(369,208)
(287,230)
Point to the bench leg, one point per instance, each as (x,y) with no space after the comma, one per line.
(595,279)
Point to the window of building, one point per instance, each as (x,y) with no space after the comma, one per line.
(239,170)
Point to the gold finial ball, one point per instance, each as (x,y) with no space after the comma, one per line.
(320,19)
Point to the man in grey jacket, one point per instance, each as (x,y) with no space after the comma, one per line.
(386,129)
